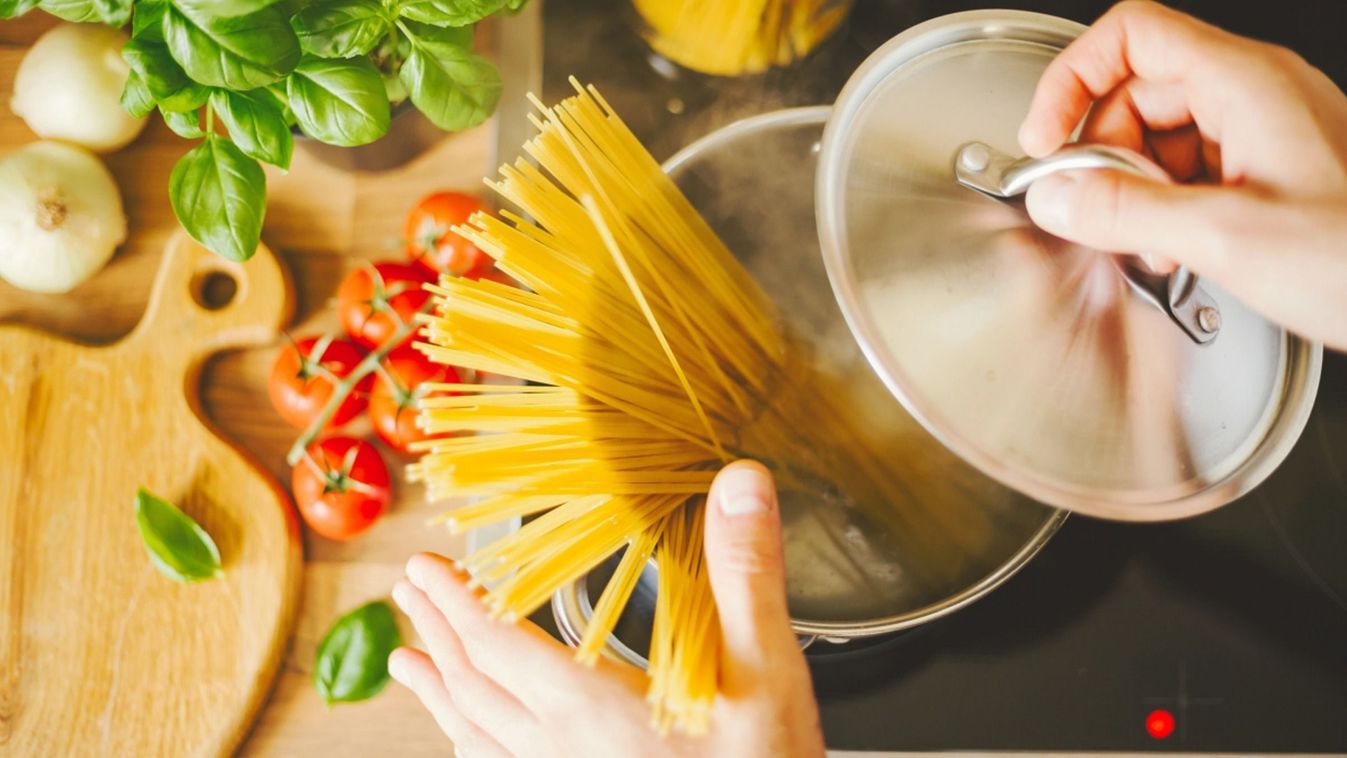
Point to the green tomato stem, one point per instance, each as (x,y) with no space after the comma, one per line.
(344,389)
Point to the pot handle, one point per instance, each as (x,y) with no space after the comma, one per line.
(983,168)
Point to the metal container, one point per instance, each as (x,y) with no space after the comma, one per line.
(847,576)
(410,134)
(1083,379)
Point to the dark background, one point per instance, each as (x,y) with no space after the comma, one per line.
(1236,622)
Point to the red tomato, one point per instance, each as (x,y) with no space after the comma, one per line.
(306,373)
(373,300)
(430,241)
(341,488)
(392,405)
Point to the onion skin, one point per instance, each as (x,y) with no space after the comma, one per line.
(61,216)
(69,87)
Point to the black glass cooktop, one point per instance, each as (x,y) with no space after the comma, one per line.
(1222,633)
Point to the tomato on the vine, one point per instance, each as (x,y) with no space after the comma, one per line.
(432,244)
(403,380)
(305,375)
(373,301)
(341,487)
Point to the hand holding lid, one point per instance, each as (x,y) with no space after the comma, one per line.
(1030,356)
(983,168)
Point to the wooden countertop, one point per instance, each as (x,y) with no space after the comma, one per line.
(322,222)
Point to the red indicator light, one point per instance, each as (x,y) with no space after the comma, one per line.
(1160,724)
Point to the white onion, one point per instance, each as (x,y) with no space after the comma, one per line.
(60,216)
(69,87)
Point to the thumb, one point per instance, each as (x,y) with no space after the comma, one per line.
(1122,213)
(745,564)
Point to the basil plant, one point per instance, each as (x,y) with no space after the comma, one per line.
(261,68)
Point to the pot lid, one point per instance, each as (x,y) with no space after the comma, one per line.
(1081,378)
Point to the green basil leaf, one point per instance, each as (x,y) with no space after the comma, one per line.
(184,123)
(110,12)
(136,97)
(188,98)
(256,124)
(223,8)
(340,102)
(176,544)
(341,29)
(239,52)
(219,195)
(15,8)
(454,87)
(113,12)
(79,11)
(352,661)
(164,78)
(278,94)
(450,12)
(147,22)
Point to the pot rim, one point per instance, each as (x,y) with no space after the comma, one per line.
(567,605)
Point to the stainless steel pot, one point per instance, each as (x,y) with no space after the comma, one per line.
(846,574)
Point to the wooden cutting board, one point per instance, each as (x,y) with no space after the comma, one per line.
(100,654)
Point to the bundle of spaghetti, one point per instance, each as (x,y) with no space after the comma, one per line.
(732,37)
(651,359)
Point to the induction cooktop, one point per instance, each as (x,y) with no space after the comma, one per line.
(1223,633)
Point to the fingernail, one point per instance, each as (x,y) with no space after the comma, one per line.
(1050,200)
(400,596)
(743,490)
(1025,137)
(397,668)
(414,572)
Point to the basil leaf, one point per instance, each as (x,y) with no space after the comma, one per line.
(340,102)
(454,87)
(188,98)
(79,11)
(176,544)
(341,29)
(167,82)
(136,97)
(184,123)
(14,8)
(239,52)
(110,12)
(219,195)
(223,8)
(352,661)
(113,12)
(256,124)
(450,12)
(147,22)
(278,95)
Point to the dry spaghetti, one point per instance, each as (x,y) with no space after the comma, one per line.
(654,359)
(731,37)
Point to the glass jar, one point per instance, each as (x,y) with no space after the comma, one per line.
(737,37)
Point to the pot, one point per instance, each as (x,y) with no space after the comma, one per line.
(1010,366)
(846,576)
(409,135)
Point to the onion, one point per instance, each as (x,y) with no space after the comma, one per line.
(60,216)
(69,87)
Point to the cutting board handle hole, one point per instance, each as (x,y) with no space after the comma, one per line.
(214,289)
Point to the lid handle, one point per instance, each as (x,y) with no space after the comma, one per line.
(983,168)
